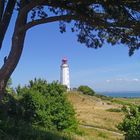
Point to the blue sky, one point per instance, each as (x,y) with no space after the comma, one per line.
(106,69)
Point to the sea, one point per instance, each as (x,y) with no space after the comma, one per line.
(122,94)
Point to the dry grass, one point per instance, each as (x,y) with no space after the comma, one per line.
(92,111)
(93,134)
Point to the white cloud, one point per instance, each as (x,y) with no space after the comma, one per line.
(108,81)
(136,80)
(123,80)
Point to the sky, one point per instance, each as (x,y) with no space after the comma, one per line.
(107,69)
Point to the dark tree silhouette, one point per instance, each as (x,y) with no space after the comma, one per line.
(95,21)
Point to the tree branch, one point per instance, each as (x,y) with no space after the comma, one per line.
(31,5)
(1,8)
(54,3)
(47,20)
(6,19)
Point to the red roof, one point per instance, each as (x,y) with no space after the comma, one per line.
(64,60)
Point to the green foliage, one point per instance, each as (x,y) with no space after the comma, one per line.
(46,105)
(9,88)
(131,124)
(103,97)
(114,110)
(39,105)
(23,131)
(86,90)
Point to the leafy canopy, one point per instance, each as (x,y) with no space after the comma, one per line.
(131,123)
(86,90)
(40,104)
(95,21)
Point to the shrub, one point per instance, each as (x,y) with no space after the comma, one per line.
(131,124)
(37,105)
(9,88)
(103,97)
(86,90)
(46,105)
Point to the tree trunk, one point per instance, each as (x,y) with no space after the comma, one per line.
(11,62)
(2,88)
(14,55)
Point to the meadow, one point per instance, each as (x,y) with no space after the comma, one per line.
(98,118)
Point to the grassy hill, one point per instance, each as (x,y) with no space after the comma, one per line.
(97,118)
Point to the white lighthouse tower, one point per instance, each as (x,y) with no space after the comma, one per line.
(64,76)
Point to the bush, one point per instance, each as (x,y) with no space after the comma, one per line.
(103,97)
(131,124)
(46,105)
(37,105)
(9,88)
(86,90)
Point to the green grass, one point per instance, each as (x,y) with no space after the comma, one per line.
(103,135)
(28,133)
(103,97)
(126,101)
(114,110)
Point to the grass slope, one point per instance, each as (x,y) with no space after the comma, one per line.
(96,121)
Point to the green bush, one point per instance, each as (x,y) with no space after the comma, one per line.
(46,105)
(9,88)
(40,105)
(103,97)
(131,124)
(86,90)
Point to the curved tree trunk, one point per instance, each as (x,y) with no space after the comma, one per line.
(14,55)
(11,62)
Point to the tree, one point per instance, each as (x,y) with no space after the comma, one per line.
(95,22)
(86,90)
(131,123)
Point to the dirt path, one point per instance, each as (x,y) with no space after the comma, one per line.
(97,128)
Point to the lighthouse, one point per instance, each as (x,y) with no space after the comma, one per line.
(64,75)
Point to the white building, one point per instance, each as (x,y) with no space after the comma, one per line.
(64,76)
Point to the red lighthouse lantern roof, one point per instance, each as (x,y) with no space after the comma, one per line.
(64,60)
